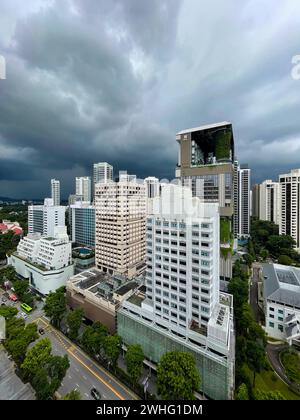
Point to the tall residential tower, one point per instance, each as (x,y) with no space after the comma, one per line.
(55,192)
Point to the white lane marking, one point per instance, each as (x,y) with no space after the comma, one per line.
(85,378)
(69,376)
(77,385)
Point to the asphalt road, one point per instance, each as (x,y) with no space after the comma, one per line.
(84,373)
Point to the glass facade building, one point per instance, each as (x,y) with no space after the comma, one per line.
(82,221)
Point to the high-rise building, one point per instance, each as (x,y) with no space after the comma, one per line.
(269,201)
(255,200)
(83,188)
(241,217)
(82,224)
(206,165)
(103,172)
(120,227)
(152,185)
(43,218)
(182,308)
(290,205)
(55,192)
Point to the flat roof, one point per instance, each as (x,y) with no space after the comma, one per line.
(282,284)
(101,284)
(203,127)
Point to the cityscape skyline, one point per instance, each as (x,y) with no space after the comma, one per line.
(69,114)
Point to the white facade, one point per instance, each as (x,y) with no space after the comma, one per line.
(120,227)
(281,288)
(83,188)
(242,201)
(103,172)
(290,205)
(269,201)
(55,192)
(183,248)
(45,261)
(43,219)
(183,308)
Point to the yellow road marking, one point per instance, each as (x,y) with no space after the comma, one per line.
(78,349)
(97,376)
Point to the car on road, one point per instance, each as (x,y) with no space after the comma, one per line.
(95,394)
(41,331)
(4,299)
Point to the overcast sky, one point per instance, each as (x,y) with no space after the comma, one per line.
(114,80)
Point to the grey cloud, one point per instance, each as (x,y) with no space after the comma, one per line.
(114,80)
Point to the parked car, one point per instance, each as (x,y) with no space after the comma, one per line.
(41,331)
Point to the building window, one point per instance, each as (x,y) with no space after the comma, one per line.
(280,327)
(271,324)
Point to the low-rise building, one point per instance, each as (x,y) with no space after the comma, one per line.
(45,261)
(281,291)
(8,226)
(100,295)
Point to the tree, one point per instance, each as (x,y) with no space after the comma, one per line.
(73,395)
(112,348)
(57,367)
(19,337)
(268,395)
(177,376)
(21,287)
(242,393)
(134,361)
(8,312)
(55,306)
(285,260)
(37,357)
(74,319)
(256,357)
(93,338)
(41,384)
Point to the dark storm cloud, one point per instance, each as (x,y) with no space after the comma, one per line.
(114,80)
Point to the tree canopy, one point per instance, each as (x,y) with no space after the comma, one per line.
(134,361)
(177,376)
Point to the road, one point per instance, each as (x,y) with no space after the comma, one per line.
(83,373)
(273,351)
(257,312)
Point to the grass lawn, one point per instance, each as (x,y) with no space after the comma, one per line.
(264,382)
(291,363)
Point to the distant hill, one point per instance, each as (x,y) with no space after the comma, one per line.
(11,200)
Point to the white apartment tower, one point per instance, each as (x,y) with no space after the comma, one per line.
(43,219)
(83,188)
(103,172)
(290,205)
(242,202)
(55,192)
(269,201)
(183,308)
(183,247)
(120,227)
